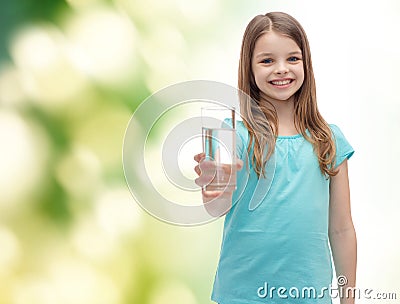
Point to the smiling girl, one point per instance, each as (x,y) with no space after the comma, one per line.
(272,253)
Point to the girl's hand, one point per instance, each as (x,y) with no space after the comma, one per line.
(206,169)
(217,203)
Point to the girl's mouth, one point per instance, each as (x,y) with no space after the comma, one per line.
(281,82)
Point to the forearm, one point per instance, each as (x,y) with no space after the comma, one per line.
(344,252)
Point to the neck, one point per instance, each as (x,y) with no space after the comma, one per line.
(285,111)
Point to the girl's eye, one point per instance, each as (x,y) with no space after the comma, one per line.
(267,61)
(293,59)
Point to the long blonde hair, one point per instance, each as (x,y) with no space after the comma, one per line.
(261,119)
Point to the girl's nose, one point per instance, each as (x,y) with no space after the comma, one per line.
(281,68)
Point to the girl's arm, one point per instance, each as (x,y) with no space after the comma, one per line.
(342,236)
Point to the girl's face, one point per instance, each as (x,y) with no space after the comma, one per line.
(277,66)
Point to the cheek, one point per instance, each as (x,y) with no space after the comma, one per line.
(259,77)
(300,74)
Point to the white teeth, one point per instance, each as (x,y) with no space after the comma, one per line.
(281,82)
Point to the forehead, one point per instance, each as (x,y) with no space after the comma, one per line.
(275,43)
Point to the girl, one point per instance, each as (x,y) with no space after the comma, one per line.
(280,250)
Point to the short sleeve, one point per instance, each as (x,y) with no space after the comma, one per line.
(343,148)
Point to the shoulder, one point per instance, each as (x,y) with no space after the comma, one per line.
(242,138)
(241,127)
(242,130)
(337,134)
(335,130)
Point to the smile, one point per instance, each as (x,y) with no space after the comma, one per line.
(282,82)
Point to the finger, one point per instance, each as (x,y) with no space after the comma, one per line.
(217,199)
(200,182)
(197,170)
(199,157)
(204,180)
(211,194)
(207,165)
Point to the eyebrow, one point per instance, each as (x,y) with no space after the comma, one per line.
(269,54)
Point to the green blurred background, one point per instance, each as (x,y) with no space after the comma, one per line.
(71,74)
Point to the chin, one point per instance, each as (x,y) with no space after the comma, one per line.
(283,99)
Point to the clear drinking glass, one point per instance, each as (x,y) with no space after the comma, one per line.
(219,147)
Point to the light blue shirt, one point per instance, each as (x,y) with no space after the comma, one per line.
(280,241)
